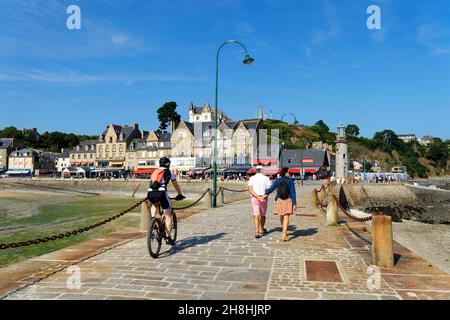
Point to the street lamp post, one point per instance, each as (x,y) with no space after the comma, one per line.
(247,60)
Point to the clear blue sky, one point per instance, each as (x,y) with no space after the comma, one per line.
(315,58)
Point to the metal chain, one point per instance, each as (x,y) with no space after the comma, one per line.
(4,246)
(231,190)
(357,234)
(349,214)
(194,203)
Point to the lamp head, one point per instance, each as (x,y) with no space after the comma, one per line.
(248,60)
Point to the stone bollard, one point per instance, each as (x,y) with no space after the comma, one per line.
(332,212)
(145,216)
(222,196)
(382,243)
(314,199)
(211,201)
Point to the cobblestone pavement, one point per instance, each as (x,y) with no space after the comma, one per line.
(217,257)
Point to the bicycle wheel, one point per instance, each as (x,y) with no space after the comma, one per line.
(154,237)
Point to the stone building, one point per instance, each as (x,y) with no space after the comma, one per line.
(7,145)
(143,155)
(113,144)
(26,162)
(83,155)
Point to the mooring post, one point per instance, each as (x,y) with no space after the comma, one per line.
(211,204)
(382,241)
(332,212)
(145,216)
(314,198)
(222,196)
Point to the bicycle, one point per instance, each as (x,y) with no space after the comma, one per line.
(157,231)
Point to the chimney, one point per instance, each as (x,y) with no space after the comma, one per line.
(136,126)
(172,126)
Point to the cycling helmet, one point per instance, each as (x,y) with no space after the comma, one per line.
(164,162)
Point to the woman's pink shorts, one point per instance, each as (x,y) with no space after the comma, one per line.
(259,207)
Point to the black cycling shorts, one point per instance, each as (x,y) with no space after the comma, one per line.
(161,197)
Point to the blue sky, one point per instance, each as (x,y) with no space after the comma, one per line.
(314,58)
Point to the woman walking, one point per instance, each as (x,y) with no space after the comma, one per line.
(286,199)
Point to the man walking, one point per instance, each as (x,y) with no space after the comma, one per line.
(257,186)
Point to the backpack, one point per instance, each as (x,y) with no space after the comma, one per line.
(156,179)
(283,190)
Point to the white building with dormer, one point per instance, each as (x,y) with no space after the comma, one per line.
(204,114)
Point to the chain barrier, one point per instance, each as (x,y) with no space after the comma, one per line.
(231,190)
(195,202)
(357,234)
(349,214)
(4,246)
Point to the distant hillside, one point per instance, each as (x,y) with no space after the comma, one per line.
(385,147)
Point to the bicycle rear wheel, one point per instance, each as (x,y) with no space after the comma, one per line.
(154,237)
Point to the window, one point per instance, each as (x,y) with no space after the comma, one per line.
(85,156)
(110,139)
(107,149)
(121,148)
(143,154)
(114,148)
(79,156)
(92,148)
(91,156)
(73,156)
(100,148)
(86,148)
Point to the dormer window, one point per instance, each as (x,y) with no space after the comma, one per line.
(92,148)
(78,148)
(86,148)
(132,146)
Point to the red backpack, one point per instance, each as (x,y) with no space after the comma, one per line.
(156,179)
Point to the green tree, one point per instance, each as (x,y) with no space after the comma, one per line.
(11,132)
(352,130)
(438,153)
(167,113)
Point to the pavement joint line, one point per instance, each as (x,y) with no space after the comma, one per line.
(68,264)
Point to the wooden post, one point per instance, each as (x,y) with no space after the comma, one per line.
(332,212)
(222,196)
(145,216)
(382,243)
(211,199)
(314,199)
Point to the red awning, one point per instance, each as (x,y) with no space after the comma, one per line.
(251,171)
(272,171)
(143,171)
(311,170)
(295,171)
(265,161)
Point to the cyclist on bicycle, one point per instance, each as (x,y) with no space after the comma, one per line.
(157,193)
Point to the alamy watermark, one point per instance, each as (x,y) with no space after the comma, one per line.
(73,22)
(374,279)
(74,280)
(374,20)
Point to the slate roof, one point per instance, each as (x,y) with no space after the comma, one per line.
(318,156)
(6,143)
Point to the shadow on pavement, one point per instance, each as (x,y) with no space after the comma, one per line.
(190,243)
(303,233)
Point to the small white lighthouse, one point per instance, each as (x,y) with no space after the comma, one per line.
(341,154)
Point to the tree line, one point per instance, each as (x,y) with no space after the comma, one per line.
(48,141)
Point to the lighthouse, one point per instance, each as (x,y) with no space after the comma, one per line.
(341,154)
